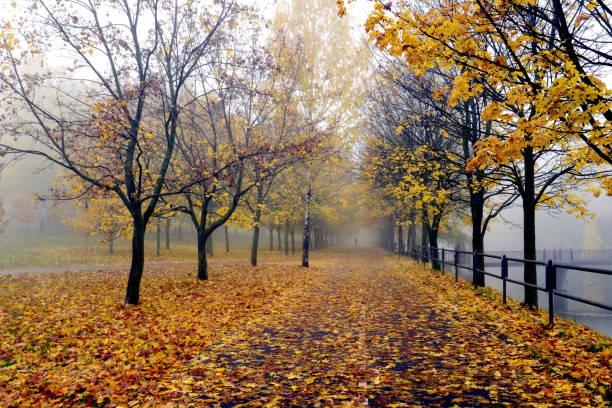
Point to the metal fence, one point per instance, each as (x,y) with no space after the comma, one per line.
(448,258)
(572,256)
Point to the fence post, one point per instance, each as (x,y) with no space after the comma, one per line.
(443,258)
(456,261)
(551,284)
(504,274)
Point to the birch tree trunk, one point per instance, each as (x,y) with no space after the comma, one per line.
(305,244)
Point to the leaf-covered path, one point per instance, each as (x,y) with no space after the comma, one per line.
(367,334)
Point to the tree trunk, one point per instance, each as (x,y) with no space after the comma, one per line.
(180,233)
(227,248)
(470,135)
(400,239)
(271,237)
(168,233)
(254,245)
(255,242)
(209,245)
(202,260)
(111,246)
(411,236)
(424,250)
(530,274)
(433,245)
(158,236)
(477,211)
(306,242)
(278,237)
(132,293)
(286,237)
(292,238)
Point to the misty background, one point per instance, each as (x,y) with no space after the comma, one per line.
(32,220)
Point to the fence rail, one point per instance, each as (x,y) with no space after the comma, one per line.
(452,258)
(569,256)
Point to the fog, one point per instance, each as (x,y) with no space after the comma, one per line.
(38,234)
(29,177)
(555,230)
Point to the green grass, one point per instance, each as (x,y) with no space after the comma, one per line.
(53,250)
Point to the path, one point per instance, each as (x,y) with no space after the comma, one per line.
(364,337)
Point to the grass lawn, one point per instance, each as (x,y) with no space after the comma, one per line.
(48,250)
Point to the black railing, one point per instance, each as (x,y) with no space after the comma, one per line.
(570,256)
(439,256)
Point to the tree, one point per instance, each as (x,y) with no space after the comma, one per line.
(397,102)
(492,50)
(104,133)
(416,179)
(327,86)
(227,146)
(284,123)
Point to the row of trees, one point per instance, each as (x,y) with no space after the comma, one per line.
(203,108)
(481,105)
